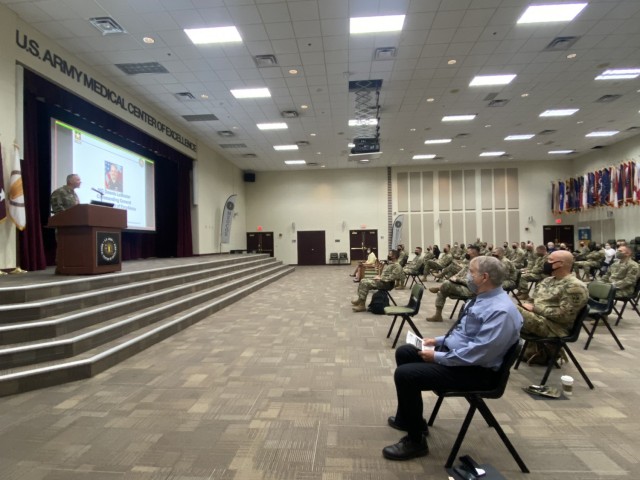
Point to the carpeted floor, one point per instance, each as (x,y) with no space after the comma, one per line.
(290,384)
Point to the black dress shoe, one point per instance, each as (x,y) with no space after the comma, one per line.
(392,423)
(352,275)
(406,449)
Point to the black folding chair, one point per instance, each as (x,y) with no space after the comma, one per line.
(633,300)
(458,299)
(415,277)
(476,402)
(512,290)
(601,300)
(406,312)
(557,345)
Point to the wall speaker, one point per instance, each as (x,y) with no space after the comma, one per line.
(249,177)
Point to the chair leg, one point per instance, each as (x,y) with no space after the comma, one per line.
(624,305)
(463,431)
(391,298)
(521,356)
(593,330)
(552,362)
(434,412)
(404,319)
(393,323)
(413,326)
(491,420)
(615,337)
(578,366)
(455,307)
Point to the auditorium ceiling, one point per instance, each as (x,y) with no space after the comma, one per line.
(304,53)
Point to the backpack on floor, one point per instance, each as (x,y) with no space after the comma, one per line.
(379,300)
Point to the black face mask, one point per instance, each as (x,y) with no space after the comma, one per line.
(467,256)
(547,268)
(416,252)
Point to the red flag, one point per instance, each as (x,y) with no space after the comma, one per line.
(3,203)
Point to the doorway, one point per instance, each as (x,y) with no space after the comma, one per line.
(558,234)
(260,242)
(311,248)
(360,240)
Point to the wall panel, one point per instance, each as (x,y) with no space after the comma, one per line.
(445,228)
(486,190)
(471,228)
(487,226)
(427,229)
(501,226)
(414,192)
(457,226)
(499,189)
(514,226)
(470,190)
(444,190)
(512,189)
(415,219)
(457,193)
(427,191)
(403,192)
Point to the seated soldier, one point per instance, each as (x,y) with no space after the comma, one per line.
(509,281)
(557,300)
(623,273)
(370,262)
(385,281)
(435,266)
(414,267)
(456,286)
(518,255)
(533,273)
(593,260)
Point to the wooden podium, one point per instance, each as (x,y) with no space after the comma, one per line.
(89,239)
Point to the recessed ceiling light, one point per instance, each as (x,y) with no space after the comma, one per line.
(579,122)
(202,36)
(312,134)
(401,149)
(251,93)
(486,80)
(458,118)
(148,40)
(437,140)
(560,152)
(423,157)
(491,154)
(293,71)
(520,137)
(304,107)
(295,162)
(272,126)
(452,62)
(204,96)
(431,99)
(318,153)
(524,95)
(603,133)
(412,129)
(572,55)
(559,113)
(285,147)
(363,122)
(488,125)
(351,145)
(384,23)
(323,166)
(364,160)
(551,13)
(619,74)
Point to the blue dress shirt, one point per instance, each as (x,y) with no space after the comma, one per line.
(483,335)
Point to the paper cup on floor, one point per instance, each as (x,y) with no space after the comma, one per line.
(567,384)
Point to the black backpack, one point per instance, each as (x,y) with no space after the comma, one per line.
(379,300)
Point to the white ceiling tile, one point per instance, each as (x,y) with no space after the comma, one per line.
(304,10)
(244,14)
(334,27)
(335,42)
(284,46)
(440,36)
(309,28)
(279,31)
(274,13)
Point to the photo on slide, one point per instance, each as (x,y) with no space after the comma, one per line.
(113,176)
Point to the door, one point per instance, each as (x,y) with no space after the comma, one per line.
(360,240)
(558,234)
(260,242)
(311,248)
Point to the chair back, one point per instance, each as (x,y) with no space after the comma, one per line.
(414,300)
(574,333)
(601,298)
(505,370)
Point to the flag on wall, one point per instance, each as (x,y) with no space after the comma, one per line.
(16,193)
(636,182)
(3,203)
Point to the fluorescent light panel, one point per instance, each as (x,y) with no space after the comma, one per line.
(203,36)
(560,152)
(251,93)
(423,157)
(458,118)
(272,126)
(520,137)
(559,113)
(285,147)
(619,74)
(437,140)
(485,80)
(551,13)
(363,122)
(384,23)
(295,162)
(609,133)
(491,154)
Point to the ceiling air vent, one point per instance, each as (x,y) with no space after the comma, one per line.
(302,143)
(184,96)
(289,114)
(498,102)
(384,53)
(233,145)
(462,135)
(226,133)
(249,155)
(560,43)
(209,117)
(547,132)
(608,98)
(312,164)
(597,147)
(107,25)
(491,96)
(264,61)
(136,68)
(632,129)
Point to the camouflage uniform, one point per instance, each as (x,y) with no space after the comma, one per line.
(389,275)
(534,273)
(518,257)
(556,306)
(449,288)
(414,266)
(63,198)
(510,280)
(440,264)
(593,259)
(624,276)
(402,258)
(457,252)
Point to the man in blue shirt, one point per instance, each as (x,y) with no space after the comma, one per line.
(467,358)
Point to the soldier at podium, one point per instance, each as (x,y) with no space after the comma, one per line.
(65,197)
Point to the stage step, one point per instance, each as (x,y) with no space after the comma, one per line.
(69,347)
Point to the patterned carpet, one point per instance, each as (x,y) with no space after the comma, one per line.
(290,384)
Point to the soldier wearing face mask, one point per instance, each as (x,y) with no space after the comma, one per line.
(623,273)
(557,299)
(534,272)
(385,281)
